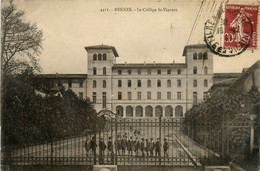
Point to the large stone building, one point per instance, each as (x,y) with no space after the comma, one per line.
(143,89)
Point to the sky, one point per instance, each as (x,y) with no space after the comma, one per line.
(70,25)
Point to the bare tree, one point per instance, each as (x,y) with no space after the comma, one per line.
(21,41)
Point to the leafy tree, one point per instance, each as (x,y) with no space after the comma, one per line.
(21,42)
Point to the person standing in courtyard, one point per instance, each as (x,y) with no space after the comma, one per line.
(151,147)
(102,147)
(165,148)
(147,147)
(110,146)
(118,145)
(158,147)
(130,146)
(123,144)
(87,146)
(142,148)
(137,146)
(93,145)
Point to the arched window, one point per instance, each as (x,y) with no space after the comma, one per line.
(205,56)
(104,57)
(94,83)
(119,83)
(205,70)
(194,83)
(104,84)
(94,71)
(139,84)
(179,111)
(104,71)
(169,84)
(99,57)
(200,55)
(120,111)
(205,83)
(149,111)
(139,111)
(158,83)
(168,111)
(158,111)
(194,56)
(129,83)
(195,70)
(179,83)
(129,111)
(94,57)
(149,83)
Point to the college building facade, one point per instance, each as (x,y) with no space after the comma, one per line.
(142,89)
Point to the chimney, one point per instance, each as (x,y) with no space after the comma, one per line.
(125,62)
(144,63)
(153,62)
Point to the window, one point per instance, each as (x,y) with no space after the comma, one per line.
(94,97)
(104,57)
(205,56)
(179,95)
(194,83)
(178,83)
(169,84)
(194,98)
(200,56)
(158,83)
(159,95)
(139,83)
(205,70)
(104,71)
(169,71)
(104,84)
(129,95)
(194,56)
(158,71)
(94,71)
(80,95)
(94,57)
(139,96)
(139,71)
(129,83)
(119,72)
(149,71)
(205,83)
(169,95)
(119,96)
(178,71)
(99,57)
(70,84)
(94,83)
(149,95)
(195,70)
(205,95)
(104,99)
(119,83)
(80,84)
(129,72)
(149,83)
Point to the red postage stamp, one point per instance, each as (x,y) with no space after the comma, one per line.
(240,26)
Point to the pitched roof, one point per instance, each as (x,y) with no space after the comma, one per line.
(192,47)
(103,47)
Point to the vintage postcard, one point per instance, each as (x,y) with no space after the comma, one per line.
(130,85)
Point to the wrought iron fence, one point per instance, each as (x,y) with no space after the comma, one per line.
(127,141)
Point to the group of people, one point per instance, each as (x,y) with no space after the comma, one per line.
(146,147)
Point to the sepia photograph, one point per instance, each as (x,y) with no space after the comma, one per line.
(128,85)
